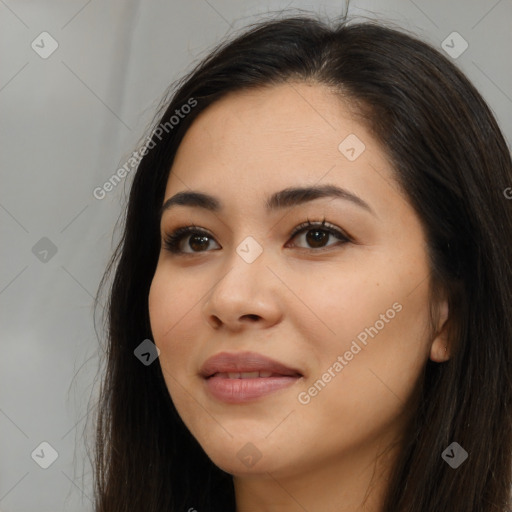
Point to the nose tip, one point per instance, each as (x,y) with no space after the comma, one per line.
(242,298)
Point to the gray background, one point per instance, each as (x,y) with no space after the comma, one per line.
(68,122)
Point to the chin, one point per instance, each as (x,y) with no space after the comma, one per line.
(241,456)
(237,466)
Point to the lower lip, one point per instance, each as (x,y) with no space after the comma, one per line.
(235,391)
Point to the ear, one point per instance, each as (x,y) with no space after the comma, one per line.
(440,349)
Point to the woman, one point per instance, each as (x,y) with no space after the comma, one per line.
(318,243)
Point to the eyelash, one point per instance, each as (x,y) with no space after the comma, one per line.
(172,240)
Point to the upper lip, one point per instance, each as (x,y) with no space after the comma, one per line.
(226,362)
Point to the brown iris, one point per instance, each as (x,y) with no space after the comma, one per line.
(198,242)
(316,237)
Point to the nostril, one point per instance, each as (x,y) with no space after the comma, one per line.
(252,317)
(217,321)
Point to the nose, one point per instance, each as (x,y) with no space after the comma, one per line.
(244,295)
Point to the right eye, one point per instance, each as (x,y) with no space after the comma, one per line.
(198,240)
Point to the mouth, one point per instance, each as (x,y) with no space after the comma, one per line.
(244,377)
(250,375)
(246,365)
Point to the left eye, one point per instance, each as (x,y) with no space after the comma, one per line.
(315,235)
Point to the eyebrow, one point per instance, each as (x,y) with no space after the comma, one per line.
(286,198)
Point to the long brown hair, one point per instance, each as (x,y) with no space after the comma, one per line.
(453,163)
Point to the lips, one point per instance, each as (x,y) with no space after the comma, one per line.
(245,377)
(245,365)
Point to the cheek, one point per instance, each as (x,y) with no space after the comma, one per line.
(338,307)
(371,391)
(377,323)
(386,371)
(171,313)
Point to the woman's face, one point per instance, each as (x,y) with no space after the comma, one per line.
(344,305)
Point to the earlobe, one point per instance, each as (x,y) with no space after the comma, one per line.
(440,347)
(439,351)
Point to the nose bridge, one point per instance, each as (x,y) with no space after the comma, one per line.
(244,288)
(245,269)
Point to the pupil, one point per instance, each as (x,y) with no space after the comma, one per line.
(316,241)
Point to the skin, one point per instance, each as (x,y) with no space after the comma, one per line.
(298,303)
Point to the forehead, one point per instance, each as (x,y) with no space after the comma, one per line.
(271,128)
(258,141)
(290,116)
